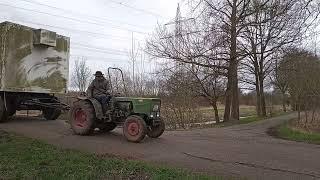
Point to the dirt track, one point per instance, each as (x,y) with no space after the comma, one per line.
(240,151)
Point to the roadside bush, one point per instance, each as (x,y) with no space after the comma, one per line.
(180,112)
(301,70)
(309,117)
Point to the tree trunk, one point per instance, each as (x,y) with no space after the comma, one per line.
(227,108)
(299,112)
(262,96)
(234,64)
(263,102)
(216,111)
(235,97)
(232,95)
(258,98)
(284,108)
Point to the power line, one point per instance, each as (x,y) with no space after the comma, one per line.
(70,18)
(100,58)
(104,59)
(73,12)
(101,51)
(137,9)
(95,34)
(99,48)
(95,48)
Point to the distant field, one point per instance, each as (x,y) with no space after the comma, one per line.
(245,111)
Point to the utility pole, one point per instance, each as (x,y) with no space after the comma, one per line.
(133,64)
(178,31)
(178,27)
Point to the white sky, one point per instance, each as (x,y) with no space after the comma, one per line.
(100,30)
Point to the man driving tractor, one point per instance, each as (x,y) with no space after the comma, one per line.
(99,89)
(137,116)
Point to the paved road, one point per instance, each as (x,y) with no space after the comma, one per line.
(239,151)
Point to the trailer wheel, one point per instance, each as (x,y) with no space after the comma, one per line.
(156,131)
(3,112)
(82,118)
(11,106)
(134,129)
(51,113)
(11,112)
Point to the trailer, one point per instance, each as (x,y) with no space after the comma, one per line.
(34,68)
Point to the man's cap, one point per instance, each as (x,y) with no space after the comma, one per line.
(98,73)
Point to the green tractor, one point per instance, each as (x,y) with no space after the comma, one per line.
(137,116)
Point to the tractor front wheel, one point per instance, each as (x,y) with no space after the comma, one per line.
(82,118)
(157,130)
(134,129)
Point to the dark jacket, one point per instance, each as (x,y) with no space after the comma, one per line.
(97,88)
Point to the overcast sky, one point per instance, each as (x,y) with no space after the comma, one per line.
(100,30)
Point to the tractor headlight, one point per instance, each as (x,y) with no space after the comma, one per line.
(155,108)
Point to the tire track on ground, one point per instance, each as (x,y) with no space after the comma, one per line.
(311,174)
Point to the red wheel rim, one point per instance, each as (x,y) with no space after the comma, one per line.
(80,118)
(133,129)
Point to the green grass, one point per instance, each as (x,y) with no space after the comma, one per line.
(245,120)
(250,119)
(286,132)
(24,158)
(255,118)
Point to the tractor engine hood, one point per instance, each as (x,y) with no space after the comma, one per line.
(141,105)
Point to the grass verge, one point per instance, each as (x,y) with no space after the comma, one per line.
(24,158)
(249,119)
(286,132)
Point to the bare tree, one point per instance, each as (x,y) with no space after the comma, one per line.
(213,35)
(81,76)
(223,33)
(195,81)
(301,69)
(279,24)
(208,83)
(279,80)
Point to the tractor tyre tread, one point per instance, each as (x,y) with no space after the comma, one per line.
(90,113)
(142,128)
(155,132)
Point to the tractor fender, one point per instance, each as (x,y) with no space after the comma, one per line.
(97,107)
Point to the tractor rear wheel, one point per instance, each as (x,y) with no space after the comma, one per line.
(108,127)
(82,118)
(3,111)
(156,131)
(134,129)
